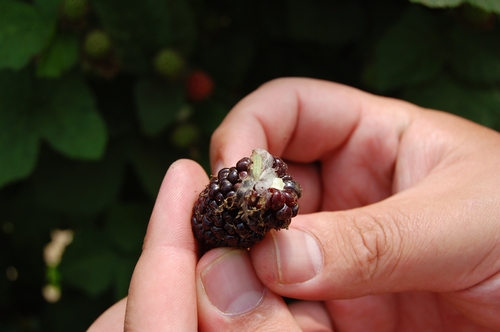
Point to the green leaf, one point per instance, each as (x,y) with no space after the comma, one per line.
(89,263)
(78,188)
(60,316)
(183,26)
(210,116)
(410,52)
(184,135)
(139,28)
(93,263)
(475,56)
(438,3)
(17,150)
(230,59)
(325,22)
(158,104)
(61,56)
(24,31)
(49,8)
(71,123)
(123,274)
(126,226)
(18,138)
(150,162)
(479,105)
(487,5)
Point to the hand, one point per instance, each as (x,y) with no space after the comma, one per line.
(171,291)
(399,227)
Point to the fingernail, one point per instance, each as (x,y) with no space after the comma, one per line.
(231,283)
(298,255)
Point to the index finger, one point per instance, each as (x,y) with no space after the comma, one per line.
(162,292)
(295,118)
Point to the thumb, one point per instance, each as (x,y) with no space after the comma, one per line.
(411,241)
(232,298)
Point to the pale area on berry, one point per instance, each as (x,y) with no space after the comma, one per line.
(261,176)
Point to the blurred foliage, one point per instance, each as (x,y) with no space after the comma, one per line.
(89,125)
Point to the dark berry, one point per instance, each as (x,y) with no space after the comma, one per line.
(233,175)
(223,173)
(242,203)
(280,166)
(242,164)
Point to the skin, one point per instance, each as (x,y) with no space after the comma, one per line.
(398,228)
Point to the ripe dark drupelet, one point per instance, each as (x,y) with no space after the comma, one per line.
(242,203)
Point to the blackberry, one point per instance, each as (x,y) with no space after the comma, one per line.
(244,202)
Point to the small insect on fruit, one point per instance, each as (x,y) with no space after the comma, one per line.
(244,202)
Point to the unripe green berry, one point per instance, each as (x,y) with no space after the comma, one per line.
(184,135)
(74,9)
(97,44)
(169,63)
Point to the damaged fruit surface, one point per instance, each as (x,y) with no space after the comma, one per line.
(244,202)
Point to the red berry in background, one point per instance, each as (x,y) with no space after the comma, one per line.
(199,85)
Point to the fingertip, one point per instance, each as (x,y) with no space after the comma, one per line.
(163,282)
(187,168)
(228,145)
(170,219)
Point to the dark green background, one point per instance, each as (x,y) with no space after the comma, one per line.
(84,147)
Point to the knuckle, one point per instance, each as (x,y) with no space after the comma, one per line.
(376,242)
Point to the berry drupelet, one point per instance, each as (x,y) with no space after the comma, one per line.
(242,203)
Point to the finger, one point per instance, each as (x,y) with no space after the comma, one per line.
(416,240)
(380,313)
(308,175)
(439,231)
(353,134)
(408,311)
(111,320)
(232,298)
(311,316)
(298,118)
(480,303)
(162,293)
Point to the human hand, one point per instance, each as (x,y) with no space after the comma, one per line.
(399,226)
(171,291)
